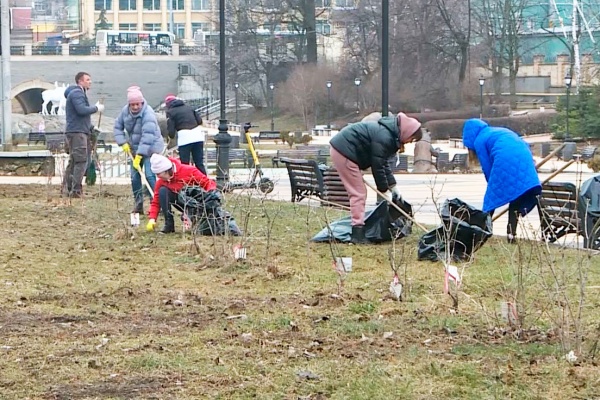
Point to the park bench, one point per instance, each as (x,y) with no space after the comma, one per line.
(560,215)
(306,178)
(267,135)
(398,163)
(313,147)
(460,161)
(319,155)
(56,142)
(588,152)
(334,192)
(235,156)
(101,144)
(36,137)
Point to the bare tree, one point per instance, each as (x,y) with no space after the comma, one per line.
(305,92)
(500,25)
(453,14)
(303,17)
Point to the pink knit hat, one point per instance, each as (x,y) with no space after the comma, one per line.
(134,95)
(408,126)
(169,98)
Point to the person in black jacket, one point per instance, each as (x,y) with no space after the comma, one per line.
(184,121)
(369,145)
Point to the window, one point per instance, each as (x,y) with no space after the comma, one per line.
(127,5)
(323,27)
(179,30)
(200,5)
(100,5)
(201,26)
(127,27)
(152,27)
(322,3)
(344,4)
(41,8)
(151,5)
(177,5)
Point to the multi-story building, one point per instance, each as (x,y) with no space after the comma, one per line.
(34,21)
(187,16)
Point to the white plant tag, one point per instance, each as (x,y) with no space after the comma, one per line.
(453,274)
(343,264)
(509,312)
(135,219)
(396,288)
(239,252)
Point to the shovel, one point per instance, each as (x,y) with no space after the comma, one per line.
(143,177)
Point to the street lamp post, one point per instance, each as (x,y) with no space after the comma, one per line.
(272,87)
(329,84)
(236,86)
(222,138)
(385,56)
(481,83)
(568,82)
(207,97)
(357,82)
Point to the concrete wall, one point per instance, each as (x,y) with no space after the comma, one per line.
(157,76)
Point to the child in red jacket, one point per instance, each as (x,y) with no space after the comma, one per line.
(172,177)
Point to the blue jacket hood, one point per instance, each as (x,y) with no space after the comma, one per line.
(69,89)
(471,130)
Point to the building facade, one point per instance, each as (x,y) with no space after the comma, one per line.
(187,16)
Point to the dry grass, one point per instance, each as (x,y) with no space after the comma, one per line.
(91,309)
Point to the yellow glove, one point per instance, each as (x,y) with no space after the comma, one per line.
(137,161)
(126,148)
(151,225)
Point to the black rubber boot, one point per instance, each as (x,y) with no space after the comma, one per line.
(169,227)
(358,235)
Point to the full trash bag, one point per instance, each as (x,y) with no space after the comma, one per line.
(464,228)
(382,224)
(205,211)
(589,209)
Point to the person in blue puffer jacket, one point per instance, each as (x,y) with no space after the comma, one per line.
(137,132)
(509,170)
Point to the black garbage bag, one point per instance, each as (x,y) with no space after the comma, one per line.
(589,209)
(204,210)
(382,224)
(464,228)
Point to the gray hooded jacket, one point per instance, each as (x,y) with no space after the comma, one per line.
(140,130)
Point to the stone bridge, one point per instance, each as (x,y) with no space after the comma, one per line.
(156,75)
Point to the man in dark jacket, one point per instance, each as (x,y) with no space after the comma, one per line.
(78,129)
(369,145)
(184,121)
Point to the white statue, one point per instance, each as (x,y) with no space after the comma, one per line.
(55,96)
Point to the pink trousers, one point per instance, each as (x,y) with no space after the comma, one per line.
(351,177)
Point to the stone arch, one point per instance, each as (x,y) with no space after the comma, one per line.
(29,94)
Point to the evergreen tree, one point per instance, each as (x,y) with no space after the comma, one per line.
(584,115)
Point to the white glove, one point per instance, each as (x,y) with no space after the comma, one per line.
(396,193)
(387,195)
(100,107)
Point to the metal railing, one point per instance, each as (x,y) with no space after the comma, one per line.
(114,165)
(17,50)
